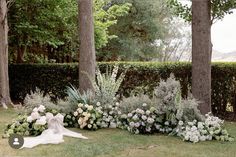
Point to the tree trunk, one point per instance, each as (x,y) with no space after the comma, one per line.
(20,54)
(201,53)
(4,79)
(87,59)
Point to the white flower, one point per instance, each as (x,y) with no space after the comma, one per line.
(41,121)
(148,112)
(86,105)
(119,113)
(117,104)
(35,115)
(181,123)
(144,105)
(148,129)
(130,115)
(167,123)
(35,109)
(49,115)
(135,117)
(90,107)
(200,125)
(131,124)
(194,128)
(75,114)
(80,110)
(89,126)
(29,119)
(98,104)
(202,138)
(41,108)
(150,120)
(144,117)
(112,125)
(137,125)
(80,105)
(136,131)
(157,126)
(190,123)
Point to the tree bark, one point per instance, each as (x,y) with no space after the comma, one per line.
(201,53)
(87,61)
(4,79)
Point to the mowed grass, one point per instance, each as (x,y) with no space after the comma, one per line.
(119,143)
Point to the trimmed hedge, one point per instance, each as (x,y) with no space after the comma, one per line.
(53,78)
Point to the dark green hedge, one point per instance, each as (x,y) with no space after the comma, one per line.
(53,78)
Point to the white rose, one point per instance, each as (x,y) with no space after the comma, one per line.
(135,117)
(148,112)
(98,104)
(29,119)
(35,115)
(90,107)
(89,126)
(41,121)
(148,129)
(130,115)
(144,117)
(112,125)
(137,125)
(41,108)
(35,109)
(80,110)
(167,123)
(131,124)
(75,114)
(80,105)
(181,123)
(150,120)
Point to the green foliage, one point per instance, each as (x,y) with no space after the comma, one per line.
(53,79)
(131,103)
(50,27)
(21,126)
(219,8)
(187,110)
(107,85)
(147,21)
(75,97)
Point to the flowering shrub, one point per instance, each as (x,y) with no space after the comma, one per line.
(110,115)
(88,117)
(34,124)
(211,128)
(142,120)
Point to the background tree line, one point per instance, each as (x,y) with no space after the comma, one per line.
(46,30)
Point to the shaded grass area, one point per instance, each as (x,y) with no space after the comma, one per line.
(119,143)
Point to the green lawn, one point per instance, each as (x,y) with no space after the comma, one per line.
(118,143)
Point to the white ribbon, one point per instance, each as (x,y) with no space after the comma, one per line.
(53,135)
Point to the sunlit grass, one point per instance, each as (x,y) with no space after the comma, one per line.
(119,143)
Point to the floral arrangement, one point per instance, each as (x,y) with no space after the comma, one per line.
(211,128)
(88,117)
(34,124)
(164,112)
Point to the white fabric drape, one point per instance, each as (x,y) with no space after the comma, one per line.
(53,135)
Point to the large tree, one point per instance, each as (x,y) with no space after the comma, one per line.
(202,14)
(201,53)
(87,61)
(4,80)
